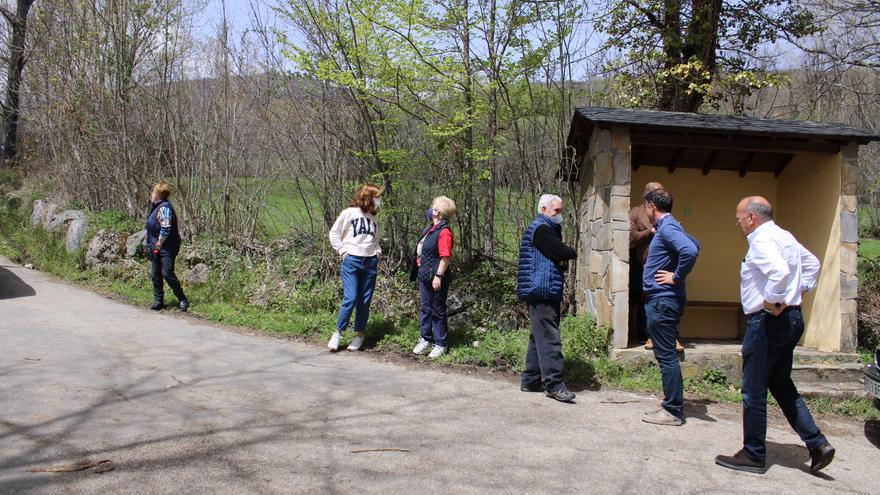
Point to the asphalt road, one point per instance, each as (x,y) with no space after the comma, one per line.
(180,406)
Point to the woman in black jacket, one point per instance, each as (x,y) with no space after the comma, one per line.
(163,244)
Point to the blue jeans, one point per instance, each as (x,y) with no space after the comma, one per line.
(433,324)
(663,315)
(767,351)
(358,282)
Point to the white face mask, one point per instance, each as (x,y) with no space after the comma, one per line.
(557,219)
(377,202)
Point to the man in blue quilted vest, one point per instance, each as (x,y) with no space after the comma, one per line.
(543,260)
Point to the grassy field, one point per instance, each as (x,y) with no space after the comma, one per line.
(869,248)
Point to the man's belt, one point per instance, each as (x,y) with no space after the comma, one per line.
(756,313)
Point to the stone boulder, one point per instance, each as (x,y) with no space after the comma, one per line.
(194,258)
(197,274)
(60,221)
(104,249)
(76,234)
(134,244)
(44,210)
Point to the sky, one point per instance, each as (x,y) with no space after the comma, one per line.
(238,13)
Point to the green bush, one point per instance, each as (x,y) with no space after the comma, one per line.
(115,220)
(714,376)
(582,337)
(582,342)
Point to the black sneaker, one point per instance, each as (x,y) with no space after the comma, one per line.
(741,462)
(821,456)
(561,394)
(532,387)
(184,305)
(157,305)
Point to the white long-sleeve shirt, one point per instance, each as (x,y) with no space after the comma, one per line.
(355,232)
(776,269)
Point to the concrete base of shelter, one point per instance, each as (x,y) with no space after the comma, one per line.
(815,372)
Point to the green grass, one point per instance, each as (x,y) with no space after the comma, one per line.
(287,206)
(869,248)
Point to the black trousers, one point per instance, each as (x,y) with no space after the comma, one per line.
(163,270)
(639,322)
(544,355)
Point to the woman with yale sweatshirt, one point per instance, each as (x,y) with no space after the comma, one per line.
(355,236)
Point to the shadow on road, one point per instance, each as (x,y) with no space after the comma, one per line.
(201,439)
(791,456)
(872,432)
(698,409)
(12,287)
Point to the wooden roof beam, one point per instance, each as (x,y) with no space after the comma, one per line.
(734,142)
(744,168)
(637,158)
(711,161)
(675,159)
(784,163)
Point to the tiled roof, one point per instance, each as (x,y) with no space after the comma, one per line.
(680,121)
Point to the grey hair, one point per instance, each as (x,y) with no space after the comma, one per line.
(763,210)
(546,200)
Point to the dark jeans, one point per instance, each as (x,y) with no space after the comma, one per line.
(767,357)
(432,317)
(163,270)
(358,282)
(544,355)
(663,314)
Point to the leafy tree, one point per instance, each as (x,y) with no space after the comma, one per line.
(680,54)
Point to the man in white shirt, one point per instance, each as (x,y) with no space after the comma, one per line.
(775,273)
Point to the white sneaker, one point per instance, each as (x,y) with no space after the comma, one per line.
(356,342)
(334,341)
(437,351)
(421,347)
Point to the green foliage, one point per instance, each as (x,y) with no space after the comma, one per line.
(495,349)
(582,337)
(869,249)
(115,220)
(859,407)
(715,376)
(678,55)
(10,180)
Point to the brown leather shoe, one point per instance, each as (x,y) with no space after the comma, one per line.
(741,462)
(649,345)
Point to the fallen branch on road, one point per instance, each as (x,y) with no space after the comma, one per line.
(100,467)
(379,450)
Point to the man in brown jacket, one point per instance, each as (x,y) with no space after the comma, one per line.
(641,230)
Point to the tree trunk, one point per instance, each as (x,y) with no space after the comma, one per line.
(17,59)
(492,128)
(467,237)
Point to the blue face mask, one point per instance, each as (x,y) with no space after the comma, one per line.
(557,219)
(430,213)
